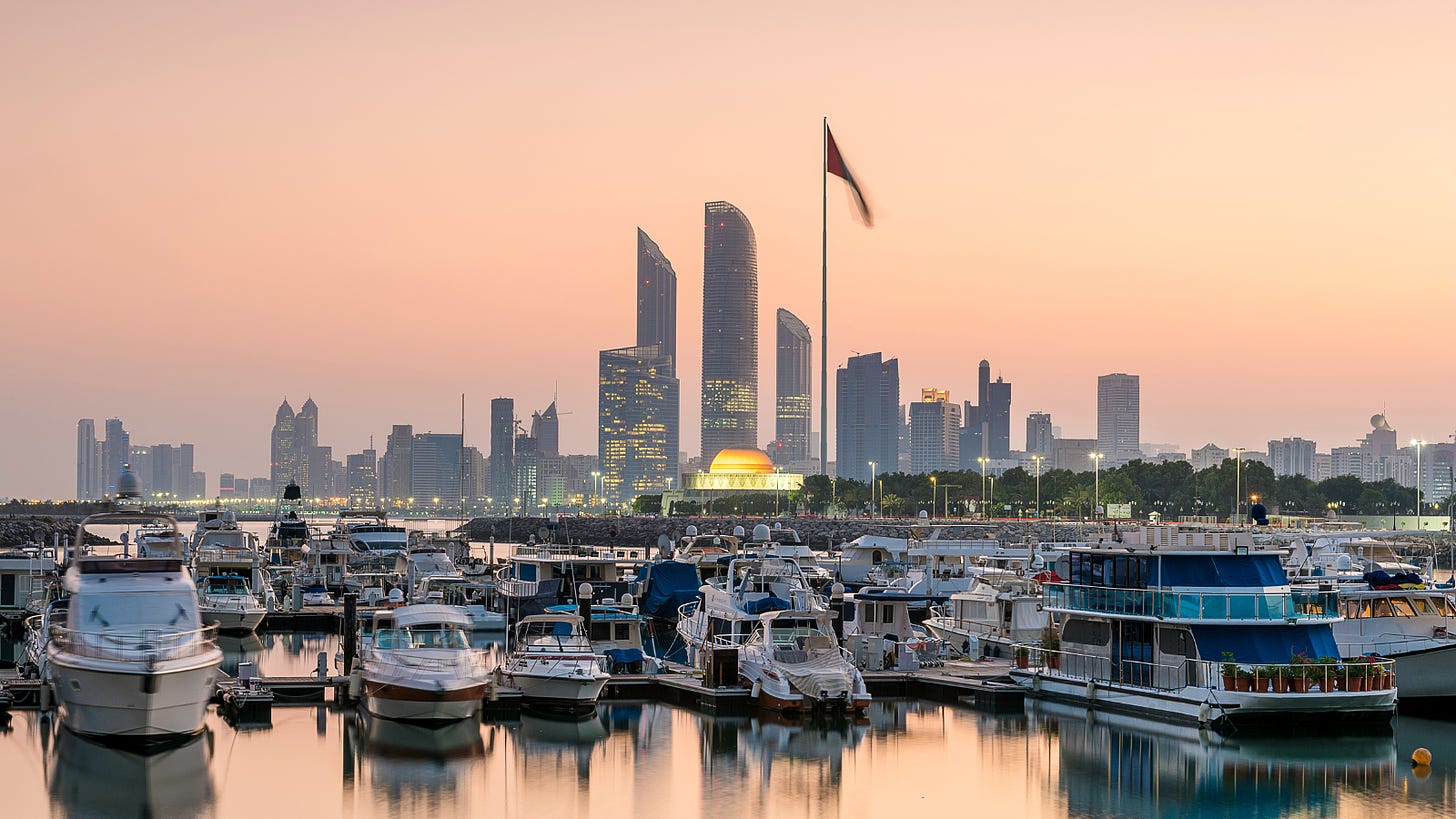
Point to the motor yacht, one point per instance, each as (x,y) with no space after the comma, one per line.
(1000,610)
(615,631)
(553,665)
(369,530)
(541,575)
(416,665)
(26,572)
(289,533)
(1200,627)
(232,583)
(133,662)
(1413,627)
(793,664)
(880,635)
(728,607)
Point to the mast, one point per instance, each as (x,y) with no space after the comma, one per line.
(824,303)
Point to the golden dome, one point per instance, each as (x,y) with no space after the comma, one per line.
(741,462)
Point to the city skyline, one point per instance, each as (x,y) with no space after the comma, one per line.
(1173,222)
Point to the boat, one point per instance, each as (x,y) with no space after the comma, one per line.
(133,663)
(553,666)
(792,663)
(232,585)
(369,530)
(289,533)
(728,607)
(157,540)
(998,612)
(416,665)
(615,631)
(325,563)
(880,635)
(26,572)
(542,575)
(1200,627)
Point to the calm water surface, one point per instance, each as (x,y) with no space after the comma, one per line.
(652,760)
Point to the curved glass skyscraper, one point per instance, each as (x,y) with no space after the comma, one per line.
(792,399)
(730,330)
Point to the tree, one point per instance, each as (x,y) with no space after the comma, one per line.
(647,504)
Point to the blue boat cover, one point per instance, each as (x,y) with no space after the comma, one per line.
(670,584)
(1217,571)
(1265,644)
(766,604)
(624,656)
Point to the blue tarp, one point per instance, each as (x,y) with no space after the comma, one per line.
(766,604)
(1222,571)
(670,584)
(623,656)
(1265,644)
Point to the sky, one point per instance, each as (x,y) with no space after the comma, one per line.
(212,206)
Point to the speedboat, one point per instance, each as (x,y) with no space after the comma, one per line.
(1200,627)
(416,665)
(232,586)
(553,666)
(793,664)
(228,602)
(728,607)
(133,662)
(1000,610)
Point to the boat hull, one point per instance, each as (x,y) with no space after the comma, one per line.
(123,704)
(570,695)
(404,703)
(233,621)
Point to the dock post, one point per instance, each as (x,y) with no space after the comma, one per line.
(836,605)
(351,630)
(584,605)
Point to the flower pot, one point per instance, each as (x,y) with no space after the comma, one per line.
(1357,683)
(1299,685)
(1281,685)
(1022,661)
(1054,661)
(1230,682)
(1243,684)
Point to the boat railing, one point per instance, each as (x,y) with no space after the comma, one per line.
(404,662)
(144,645)
(231,601)
(1294,677)
(1288,606)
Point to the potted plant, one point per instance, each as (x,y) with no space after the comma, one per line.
(1230,672)
(1379,674)
(1278,677)
(1245,682)
(1332,674)
(1356,672)
(1022,656)
(1301,672)
(1051,642)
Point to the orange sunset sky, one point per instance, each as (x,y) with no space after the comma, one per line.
(209,206)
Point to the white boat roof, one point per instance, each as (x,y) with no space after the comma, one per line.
(430,613)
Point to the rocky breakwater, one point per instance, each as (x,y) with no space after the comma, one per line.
(643,532)
(15,531)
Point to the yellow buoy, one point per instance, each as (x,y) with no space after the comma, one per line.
(1420,756)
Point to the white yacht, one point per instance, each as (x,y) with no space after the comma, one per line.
(416,665)
(369,530)
(1416,628)
(1001,610)
(728,607)
(25,574)
(157,540)
(325,563)
(553,665)
(133,663)
(793,664)
(232,584)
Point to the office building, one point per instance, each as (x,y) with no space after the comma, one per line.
(1292,456)
(1119,418)
(637,413)
(394,467)
(793,398)
(730,331)
(502,450)
(867,415)
(1039,434)
(656,300)
(434,476)
(546,431)
(115,452)
(935,430)
(88,461)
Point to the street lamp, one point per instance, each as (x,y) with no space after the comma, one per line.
(932,496)
(874,467)
(982,461)
(777,470)
(1096,480)
(596,489)
(947,489)
(1238,485)
(1038,459)
(991,498)
(1418,444)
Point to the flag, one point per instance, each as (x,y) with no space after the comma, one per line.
(834,163)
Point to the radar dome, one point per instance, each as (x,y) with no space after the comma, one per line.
(761,533)
(127,484)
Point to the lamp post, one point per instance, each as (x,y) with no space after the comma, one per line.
(596,489)
(982,461)
(873,469)
(1038,459)
(932,496)
(1238,485)
(1417,444)
(777,470)
(991,497)
(947,489)
(1096,480)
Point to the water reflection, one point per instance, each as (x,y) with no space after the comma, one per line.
(87,779)
(412,770)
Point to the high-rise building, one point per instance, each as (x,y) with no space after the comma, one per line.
(973,438)
(88,472)
(638,410)
(1119,417)
(1039,434)
(1292,456)
(475,477)
(546,431)
(935,432)
(526,462)
(284,460)
(139,460)
(115,454)
(656,300)
(164,480)
(394,467)
(435,469)
(793,398)
(730,331)
(867,391)
(996,416)
(502,450)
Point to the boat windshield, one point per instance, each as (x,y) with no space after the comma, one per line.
(226,585)
(426,636)
(166,609)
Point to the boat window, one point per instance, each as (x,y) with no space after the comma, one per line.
(601,630)
(1380,607)
(869,612)
(1087,632)
(887,613)
(1441,605)
(1402,607)
(624,632)
(876,558)
(1176,641)
(169,609)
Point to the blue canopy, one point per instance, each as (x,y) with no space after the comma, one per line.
(670,584)
(1265,644)
(766,604)
(1218,571)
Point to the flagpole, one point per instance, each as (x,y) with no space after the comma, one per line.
(824,305)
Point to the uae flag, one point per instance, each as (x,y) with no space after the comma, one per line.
(834,163)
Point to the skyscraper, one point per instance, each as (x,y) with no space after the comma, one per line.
(1119,417)
(313,466)
(115,454)
(996,415)
(1039,434)
(793,400)
(656,299)
(637,408)
(88,473)
(935,432)
(867,413)
(435,469)
(546,430)
(283,461)
(502,450)
(394,468)
(730,331)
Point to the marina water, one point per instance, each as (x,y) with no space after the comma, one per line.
(645,759)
